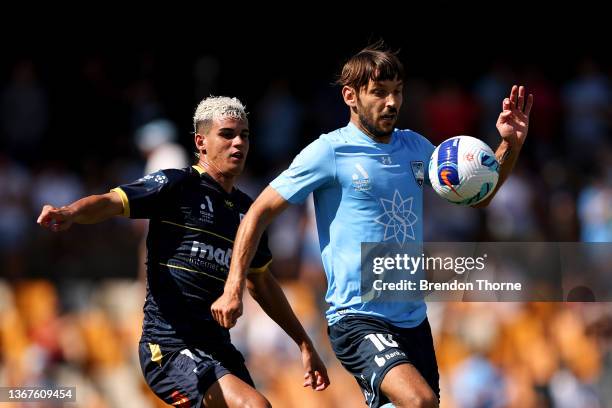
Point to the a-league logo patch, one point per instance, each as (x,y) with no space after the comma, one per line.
(418,170)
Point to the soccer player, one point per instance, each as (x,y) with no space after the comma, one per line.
(186,356)
(359,174)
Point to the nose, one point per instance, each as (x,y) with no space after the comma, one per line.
(392,101)
(239,141)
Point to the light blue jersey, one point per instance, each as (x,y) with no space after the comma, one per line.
(363,192)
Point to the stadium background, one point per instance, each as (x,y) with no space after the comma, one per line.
(70,304)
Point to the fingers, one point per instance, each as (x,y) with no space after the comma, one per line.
(506,104)
(232,317)
(221,318)
(517,100)
(53,219)
(229,320)
(529,105)
(225,317)
(322,381)
(316,380)
(214,313)
(43,218)
(513,96)
(309,380)
(521,98)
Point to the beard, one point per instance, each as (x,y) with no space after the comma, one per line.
(368,123)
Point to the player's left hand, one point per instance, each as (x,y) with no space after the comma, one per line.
(316,373)
(513,121)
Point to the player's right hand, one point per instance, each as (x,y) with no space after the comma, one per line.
(227,309)
(316,374)
(55,219)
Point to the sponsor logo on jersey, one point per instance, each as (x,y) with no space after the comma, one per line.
(206,251)
(156,177)
(361,179)
(206,210)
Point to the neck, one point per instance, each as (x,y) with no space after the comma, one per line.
(225,180)
(378,139)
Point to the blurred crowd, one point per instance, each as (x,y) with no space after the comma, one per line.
(70,303)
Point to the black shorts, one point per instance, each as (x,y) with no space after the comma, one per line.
(181,376)
(369,347)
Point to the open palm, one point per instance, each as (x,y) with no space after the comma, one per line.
(513,121)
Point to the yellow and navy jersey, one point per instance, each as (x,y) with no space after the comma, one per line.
(193,223)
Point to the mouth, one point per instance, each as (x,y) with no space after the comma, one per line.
(388,118)
(237,155)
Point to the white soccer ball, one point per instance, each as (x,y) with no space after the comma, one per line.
(463,170)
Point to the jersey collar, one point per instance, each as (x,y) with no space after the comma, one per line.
(354,130)
(199,169)
(203,173)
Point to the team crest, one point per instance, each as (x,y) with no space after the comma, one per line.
(418,171)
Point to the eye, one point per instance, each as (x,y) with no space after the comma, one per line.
(381,93)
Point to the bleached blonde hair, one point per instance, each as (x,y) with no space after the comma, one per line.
(215,107)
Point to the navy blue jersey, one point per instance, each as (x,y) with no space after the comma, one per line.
(193,222)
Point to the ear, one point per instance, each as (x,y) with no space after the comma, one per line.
(200,142)
(350,96)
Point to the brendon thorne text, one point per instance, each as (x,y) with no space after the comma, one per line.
(427,286)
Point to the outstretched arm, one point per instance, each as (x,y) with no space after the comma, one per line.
(228,308)
(88,210)
(266,291)
(512,124)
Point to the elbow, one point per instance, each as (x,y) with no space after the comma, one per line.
(252,288)
(482,204)
(255,284)
(259,215)
(485,203)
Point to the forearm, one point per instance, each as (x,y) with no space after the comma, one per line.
(507,156)
(267,206)
(267,292)
(95,208)
(247,240)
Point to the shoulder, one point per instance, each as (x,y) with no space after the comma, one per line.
(412,139)
(242,197)
(319,151)
(334,139)
(410,136)
(174,176)
(169,178)
(185,172)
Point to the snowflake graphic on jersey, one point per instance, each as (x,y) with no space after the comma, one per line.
(398,218)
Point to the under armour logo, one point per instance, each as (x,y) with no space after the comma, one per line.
(386,160)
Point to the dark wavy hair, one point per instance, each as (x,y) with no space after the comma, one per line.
(375,62)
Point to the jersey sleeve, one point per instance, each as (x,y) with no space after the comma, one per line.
(263,256)
(312,168)
(144,197)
